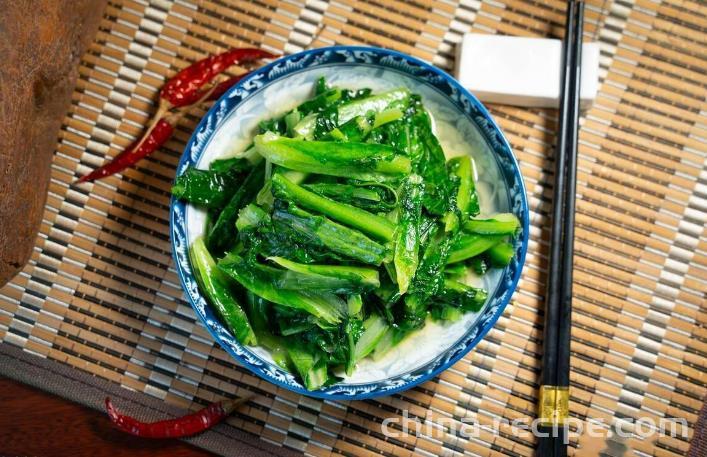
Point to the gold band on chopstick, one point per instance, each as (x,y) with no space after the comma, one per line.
(554,405)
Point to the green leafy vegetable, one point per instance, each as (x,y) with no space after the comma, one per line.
(468,246)
(501,254)
(466,198)
(312,369)
(357,107)
(344,278)
(231,164)
(428,279)
(207,188)
(341,231)
(217,291)
(407,243)
(263,281)
(431,163)
(500,224)
(349,160)
(354,130)
(461,295)
(323,232)
(371,196)
(455,270)
(391,338)
(479,264)
(373,330)
(219,235)
(366,222)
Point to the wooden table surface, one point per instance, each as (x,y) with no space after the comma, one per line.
(34,423)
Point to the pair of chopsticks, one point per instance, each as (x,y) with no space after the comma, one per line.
(553,401)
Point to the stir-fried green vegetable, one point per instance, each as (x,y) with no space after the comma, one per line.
(344,112)
(500,224)
(370,224)
(371,196)
(324,233)
(218,291)
(407,243)
(208,188)
(219,239)
(265,281)
(344,231)
(348,160)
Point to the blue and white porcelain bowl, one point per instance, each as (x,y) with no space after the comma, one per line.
(463,126)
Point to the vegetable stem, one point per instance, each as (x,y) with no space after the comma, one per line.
(360,107)
(500,224)
(350,160)
(501,254)
(215,287)
(462,168)
(361,277)
(259,280)
(468,246)
(336,237)
(366,222)
(373,330)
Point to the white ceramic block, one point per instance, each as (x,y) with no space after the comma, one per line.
(521,71)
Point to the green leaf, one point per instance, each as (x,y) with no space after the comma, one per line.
(390,339)
(373,330)
(429,278)
(362,220)
(323,232)
(215,286)
(354,304)
(350,160)
(500,224)
(250,217)
(311,368)
(261,280)
(371,196)
(407,243)
(221,236)
(207,188)
(358,107)
(230,164)
(468,246)
(466,199)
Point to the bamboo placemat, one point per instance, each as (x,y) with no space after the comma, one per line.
(101,294)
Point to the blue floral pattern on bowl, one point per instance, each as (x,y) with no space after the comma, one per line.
(425,74)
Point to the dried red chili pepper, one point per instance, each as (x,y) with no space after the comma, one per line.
(183,88)
(153,139)
(180,91)
(188,425)
(156,137)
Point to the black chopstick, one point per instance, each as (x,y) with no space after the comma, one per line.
(564,337)
(554,394)
(563,362)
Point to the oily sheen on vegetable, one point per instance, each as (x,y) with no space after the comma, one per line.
(341,231)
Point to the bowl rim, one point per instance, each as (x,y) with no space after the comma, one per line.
(482,331)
